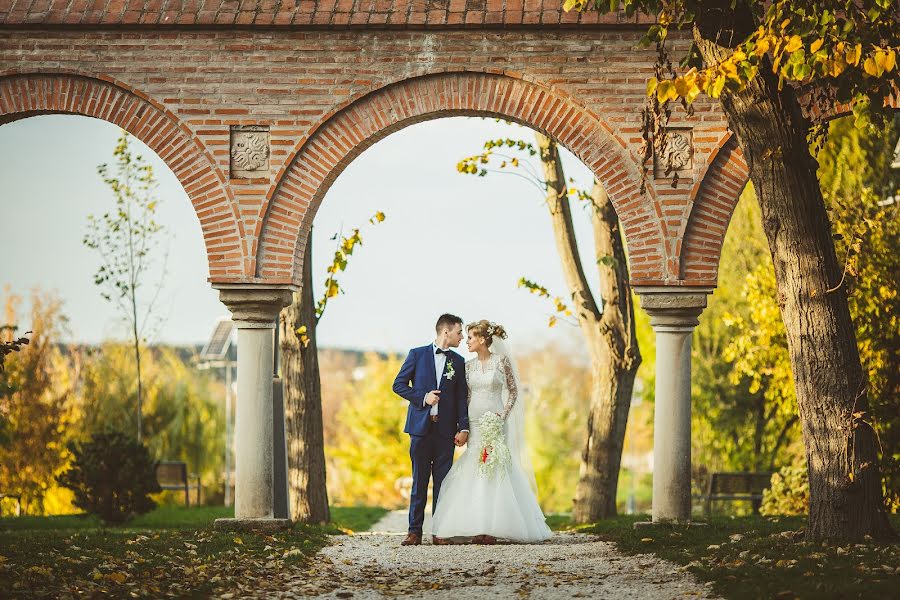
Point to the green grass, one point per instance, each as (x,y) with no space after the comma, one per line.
(163,517)
(558,522)
(356,518)
(353,518)
(749,558)
(172,550)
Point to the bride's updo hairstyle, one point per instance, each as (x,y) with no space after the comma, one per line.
(486,330)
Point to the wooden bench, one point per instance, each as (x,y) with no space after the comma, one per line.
(18,500)
(736,486)
(173,475)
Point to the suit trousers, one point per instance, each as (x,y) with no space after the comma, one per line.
(432,457)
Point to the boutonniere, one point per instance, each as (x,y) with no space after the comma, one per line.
(449,372)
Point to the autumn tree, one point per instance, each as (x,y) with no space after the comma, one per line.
(742,419)
(558,383)
(862,192)
(37,405)
(302,383)
(127,240)
(853,166)
(608,327)
(183,416)
(371,453)
(759,59)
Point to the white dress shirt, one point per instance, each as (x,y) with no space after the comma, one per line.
(440,361)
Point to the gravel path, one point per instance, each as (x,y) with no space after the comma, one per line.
(373,565)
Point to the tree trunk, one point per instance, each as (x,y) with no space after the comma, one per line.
(615,360)
(844,479)
(303,405)
(610,337)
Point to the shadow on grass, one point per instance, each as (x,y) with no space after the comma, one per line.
(748,558)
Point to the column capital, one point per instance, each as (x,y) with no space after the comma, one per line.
(673,309)
(254,306)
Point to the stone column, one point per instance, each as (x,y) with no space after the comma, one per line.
(673,314)
(254,310)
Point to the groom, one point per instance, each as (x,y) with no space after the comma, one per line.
(433,380)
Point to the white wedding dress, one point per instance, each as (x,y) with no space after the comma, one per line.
(503,505)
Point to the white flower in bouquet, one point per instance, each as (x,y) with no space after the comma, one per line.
(494,451)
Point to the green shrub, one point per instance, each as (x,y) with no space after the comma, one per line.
(789,494)
(112,476)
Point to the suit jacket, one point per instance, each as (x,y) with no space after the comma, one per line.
(417,377)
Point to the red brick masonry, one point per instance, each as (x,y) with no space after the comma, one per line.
(327,91)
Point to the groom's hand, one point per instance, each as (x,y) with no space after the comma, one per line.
(461,438)
(433,397)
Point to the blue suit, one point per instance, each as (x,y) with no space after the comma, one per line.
(431,443)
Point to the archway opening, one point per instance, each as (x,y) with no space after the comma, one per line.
(78,376)
(460,244)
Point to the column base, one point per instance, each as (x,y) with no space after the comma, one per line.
(667,523)
(253,525)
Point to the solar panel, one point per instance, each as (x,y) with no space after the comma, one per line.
(218,344)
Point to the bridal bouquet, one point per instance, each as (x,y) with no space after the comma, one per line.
(494,451)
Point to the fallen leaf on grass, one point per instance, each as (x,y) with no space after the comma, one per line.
(117,577)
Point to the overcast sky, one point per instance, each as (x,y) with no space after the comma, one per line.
(450,242)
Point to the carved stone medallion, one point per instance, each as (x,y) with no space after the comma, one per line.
(678,153)
(249,151)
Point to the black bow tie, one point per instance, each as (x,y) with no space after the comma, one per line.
(440,351)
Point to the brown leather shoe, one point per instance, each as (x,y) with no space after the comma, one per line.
(412,539)
(439,541)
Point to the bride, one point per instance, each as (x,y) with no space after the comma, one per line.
(503,504)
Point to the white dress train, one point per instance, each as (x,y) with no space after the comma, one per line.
(503,505)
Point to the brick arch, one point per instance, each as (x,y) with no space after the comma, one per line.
(715,197)
(713,200)
(23,95)
(291,203)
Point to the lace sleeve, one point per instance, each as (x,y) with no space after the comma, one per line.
(469,364)
(512,388)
